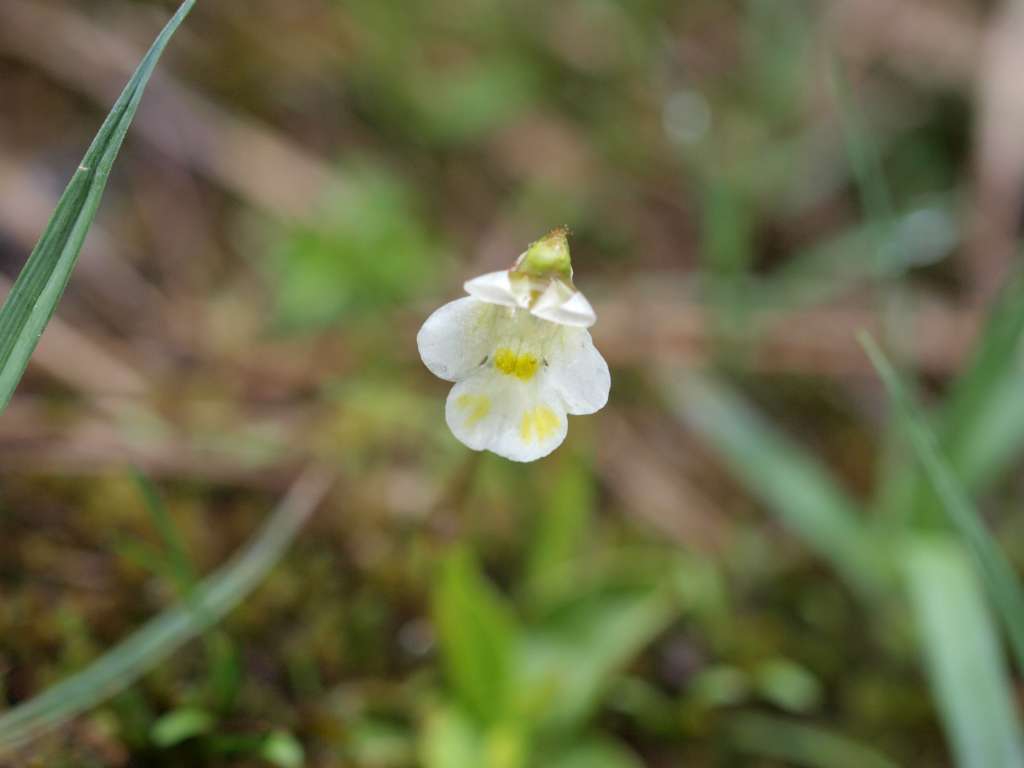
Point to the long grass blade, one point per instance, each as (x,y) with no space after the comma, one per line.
(1001,581)
(965,664)
(180,566)
(38,289)
(161,636)
(982,427)
(801,744)
(786,478)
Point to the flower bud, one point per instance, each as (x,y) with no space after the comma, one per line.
(547,257)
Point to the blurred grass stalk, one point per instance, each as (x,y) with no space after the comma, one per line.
(172,561)
(801,744)
(965,664)
(785,477)
(155,641)
(1001,581)
(40,285)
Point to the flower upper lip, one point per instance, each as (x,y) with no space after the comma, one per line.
(552,298)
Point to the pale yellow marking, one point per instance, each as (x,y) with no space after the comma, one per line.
(540,423)
(523,365)
(478,407)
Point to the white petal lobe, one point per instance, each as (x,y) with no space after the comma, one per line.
(578,372)
(561,304)
(494,288)
(454,340)
(520,423)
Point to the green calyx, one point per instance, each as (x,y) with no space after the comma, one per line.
(547,257)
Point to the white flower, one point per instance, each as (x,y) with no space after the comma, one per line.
(520,353)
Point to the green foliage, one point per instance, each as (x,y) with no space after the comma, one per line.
(790,481)
(569,658)
(965,664)
(173,561)
(283,750)
(450,740)
(124,663)
(34,296)
(367,249)
(181,724)
(522,691)
(1001,581)
(595,753)
(981,427)
(588,634)
(788,685)
(800,744)
(921,236)
(448,100)
(560,533)
(477,635)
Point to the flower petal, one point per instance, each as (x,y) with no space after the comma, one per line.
(561,303)
(458,336)
(578,372)
(496,288)
(493,412)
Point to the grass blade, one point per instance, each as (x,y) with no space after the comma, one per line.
(788,480)
(1001,581)
(477,633)
(801,744)
(965,664)
(179,565)
(161,636)
(173,562)
(982,427)
(38,289)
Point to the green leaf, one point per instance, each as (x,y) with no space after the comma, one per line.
(369,247)
(782,475)
(477,634)
(728,246)
(155,641)
(569,659)
(923,235)
(788,685)
(800,744)
(982,426)
(595,753)
(179,565)
(35,293)
(224,674)
(862,152)
(450,740)
(562,524)
(180,725)
(1000,579)
(965,663)
(283,750)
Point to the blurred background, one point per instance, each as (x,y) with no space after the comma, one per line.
(712,571)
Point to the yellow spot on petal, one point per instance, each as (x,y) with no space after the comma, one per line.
(538,423)
(523,365)
(476,406)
